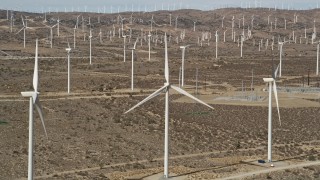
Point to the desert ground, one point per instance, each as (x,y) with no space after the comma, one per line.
(90,137)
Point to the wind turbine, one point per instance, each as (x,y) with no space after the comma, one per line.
(77,23)
(280,65)
(149,44)
(222,22)
(151,20)
(100,36)
(176,23)
(90,37)
(272,86)
(34,101)
(194,26)
(285,23)
(232,24)
(224,36)
(317,67)
(242,39)
(74,37)
(58,27)
(24,32)
(217,37)
(68,53)
(183,48)
(51,34)
(167,86)
(124,48)
(132,50)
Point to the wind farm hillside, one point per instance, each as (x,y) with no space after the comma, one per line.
(256,67)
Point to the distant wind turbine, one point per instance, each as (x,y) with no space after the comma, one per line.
(24,31)
(183,48)
(68,54)
(90,37)
(317,67)
(124,48)
(217,38)
(132,50)
(149,44)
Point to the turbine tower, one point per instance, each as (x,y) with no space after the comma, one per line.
(68,54)
(90,37)
(149,44)
(217,37)
(317,67)
(124,48)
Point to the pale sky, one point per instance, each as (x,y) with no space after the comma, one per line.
(149,5)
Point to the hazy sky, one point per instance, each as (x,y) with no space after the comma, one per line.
(149,5)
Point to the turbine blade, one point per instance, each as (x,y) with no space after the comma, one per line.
(35,74)
(276,71)
(22,20)
(20,30)
(156,93)
(166,64)
(134,47)
(39,109)
(276,97)
(190,96)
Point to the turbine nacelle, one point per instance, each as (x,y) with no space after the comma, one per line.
(268,79)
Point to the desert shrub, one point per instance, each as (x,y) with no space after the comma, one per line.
(312,158)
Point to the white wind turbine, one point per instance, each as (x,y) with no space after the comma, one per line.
(183,48)
(132,54)
(176,23)
(74,37)
(24,31)
(77,23)
(280,65)
(151,20)
(51,34)
(232,26)
(58,26)
(217,38)
(149,44)
(90,37)
(194,26)
(242,39)
(100,36)
(317,67)
(124,48)
(34,101)
(222,22)
(167,86)
(272,87)
(285,23)
(68,54)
